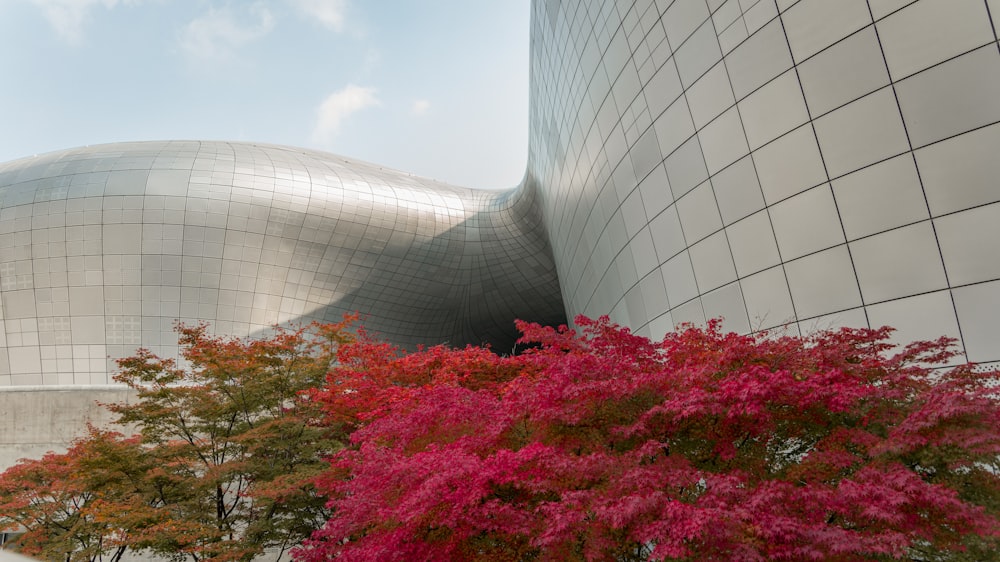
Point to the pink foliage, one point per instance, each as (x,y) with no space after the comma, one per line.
(606,446)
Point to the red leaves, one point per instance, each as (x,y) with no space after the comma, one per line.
(607,446)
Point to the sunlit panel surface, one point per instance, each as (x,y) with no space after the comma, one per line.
(102,249)
(791,165)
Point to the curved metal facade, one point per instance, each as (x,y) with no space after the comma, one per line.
(102,249)
(797,164)
(807,164)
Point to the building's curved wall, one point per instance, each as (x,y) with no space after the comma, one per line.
(103,248)
(809,163)
(795,164)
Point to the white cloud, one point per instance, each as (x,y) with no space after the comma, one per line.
(67,17)
(219,32)
(338,106)
(330,13)
(420,107)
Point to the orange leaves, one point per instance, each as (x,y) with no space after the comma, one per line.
(222,467)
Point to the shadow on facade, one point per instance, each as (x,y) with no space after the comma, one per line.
(465,285)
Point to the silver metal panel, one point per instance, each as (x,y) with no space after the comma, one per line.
(819,127)
(93,265)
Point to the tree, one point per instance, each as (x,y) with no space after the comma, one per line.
(60,501)
(704,446)
(222,464)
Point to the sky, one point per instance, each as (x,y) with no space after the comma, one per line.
(438,88)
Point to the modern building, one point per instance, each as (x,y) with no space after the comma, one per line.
(783,164)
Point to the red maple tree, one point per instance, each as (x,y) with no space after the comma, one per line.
(705,446)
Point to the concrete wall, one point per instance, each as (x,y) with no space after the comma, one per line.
(35,420)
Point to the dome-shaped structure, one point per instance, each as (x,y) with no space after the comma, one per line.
(104,248)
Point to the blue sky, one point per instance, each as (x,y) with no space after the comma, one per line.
(434,87)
